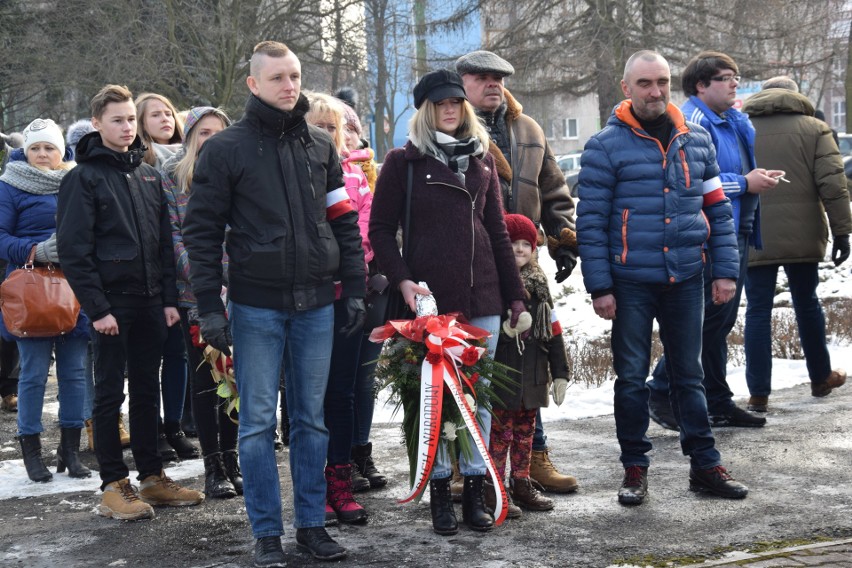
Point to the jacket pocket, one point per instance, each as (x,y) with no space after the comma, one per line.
(120,267)
(328,253)
(685,166)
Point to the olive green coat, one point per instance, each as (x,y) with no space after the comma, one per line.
(793,215)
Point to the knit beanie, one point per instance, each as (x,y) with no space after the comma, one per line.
(520,227)
(44,130)
(197,113)
(350,117)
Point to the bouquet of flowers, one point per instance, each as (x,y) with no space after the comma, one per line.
(438,372)
(222,370)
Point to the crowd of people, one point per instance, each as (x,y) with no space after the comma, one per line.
(178,231)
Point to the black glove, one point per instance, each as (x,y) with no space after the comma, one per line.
(216,331)
(566,260)
(840,250)
(356,314)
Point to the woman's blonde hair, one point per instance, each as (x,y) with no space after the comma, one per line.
(142,102)
(185,168)
(323,106)
(421,127)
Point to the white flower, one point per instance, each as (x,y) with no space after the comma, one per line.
(449,431)
(471,402)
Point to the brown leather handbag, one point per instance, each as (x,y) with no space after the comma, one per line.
(37,301)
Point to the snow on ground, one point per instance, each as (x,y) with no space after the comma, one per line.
(577,318)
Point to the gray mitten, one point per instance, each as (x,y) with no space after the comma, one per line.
(46,250)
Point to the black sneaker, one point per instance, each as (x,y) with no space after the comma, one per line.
(268,553)
(316,541)
(737,417)
(660,410)
(717,481)
(634,488)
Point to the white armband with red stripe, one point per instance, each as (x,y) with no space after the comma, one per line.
(337,203)
(554,323)
(712,190)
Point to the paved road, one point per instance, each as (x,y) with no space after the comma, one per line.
(798,469)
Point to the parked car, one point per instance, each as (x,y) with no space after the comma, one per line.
(847,167)
(570,166)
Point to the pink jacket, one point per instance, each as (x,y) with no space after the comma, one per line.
(359,196)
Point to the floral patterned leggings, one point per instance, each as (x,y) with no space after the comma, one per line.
(512,429)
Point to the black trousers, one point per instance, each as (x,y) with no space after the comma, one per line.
(138,347)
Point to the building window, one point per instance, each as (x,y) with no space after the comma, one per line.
(569,128)
(838,115)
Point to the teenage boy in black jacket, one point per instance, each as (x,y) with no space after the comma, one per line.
(114,239)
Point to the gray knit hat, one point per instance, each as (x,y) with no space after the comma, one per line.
(483,62)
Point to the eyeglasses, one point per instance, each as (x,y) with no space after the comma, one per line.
(726,78)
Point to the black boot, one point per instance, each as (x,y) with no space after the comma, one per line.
(232,469)
(167,453)
(67,455)
(31,448)
(441,504)
(216,482)
(177,439)
(362,457)
(474,512)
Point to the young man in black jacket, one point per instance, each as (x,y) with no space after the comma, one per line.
(276,183)
(114,239)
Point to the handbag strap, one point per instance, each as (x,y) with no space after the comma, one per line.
(31,259)
(407,219)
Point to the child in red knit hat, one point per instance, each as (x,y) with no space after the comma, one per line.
(539,359)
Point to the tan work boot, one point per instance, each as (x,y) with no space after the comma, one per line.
(543,472)
(161,490)
(120,501)
(9,403)
(89,434)
(456,483)
(123,434)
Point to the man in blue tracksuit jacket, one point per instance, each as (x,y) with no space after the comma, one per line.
(710,79)
(650,200)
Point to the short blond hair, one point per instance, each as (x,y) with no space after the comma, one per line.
(323,106)
(268,48)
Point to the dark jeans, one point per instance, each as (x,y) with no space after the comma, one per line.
(9,367)
(719,320)
(138,348)
(760,291)
(679,309)
(173,375)
(365,393)
(339,405)
(539,437)
(216,432)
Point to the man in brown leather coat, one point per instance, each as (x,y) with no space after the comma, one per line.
(533,186)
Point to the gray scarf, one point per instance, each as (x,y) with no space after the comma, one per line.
(31,179)
(456,153)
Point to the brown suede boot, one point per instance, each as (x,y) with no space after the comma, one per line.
(161,490)
(89,435)
(456,483)
(120,501)
(528,496)
(123,434)
(543,472)
(835,379)
(512,511)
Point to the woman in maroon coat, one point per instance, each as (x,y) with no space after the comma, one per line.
(457,243)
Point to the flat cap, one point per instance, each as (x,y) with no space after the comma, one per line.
(483,62)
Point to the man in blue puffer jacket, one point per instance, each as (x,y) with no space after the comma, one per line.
(710,79)
(650,199)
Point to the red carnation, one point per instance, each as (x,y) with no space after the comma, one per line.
(469,356)
(433,358)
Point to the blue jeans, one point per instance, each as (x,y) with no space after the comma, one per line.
(679,309)
(70,374)
(365,393)
(260,336)
(89,391)
(719,320)
(173,375)
(760,291)
(539,437)
(475,464)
